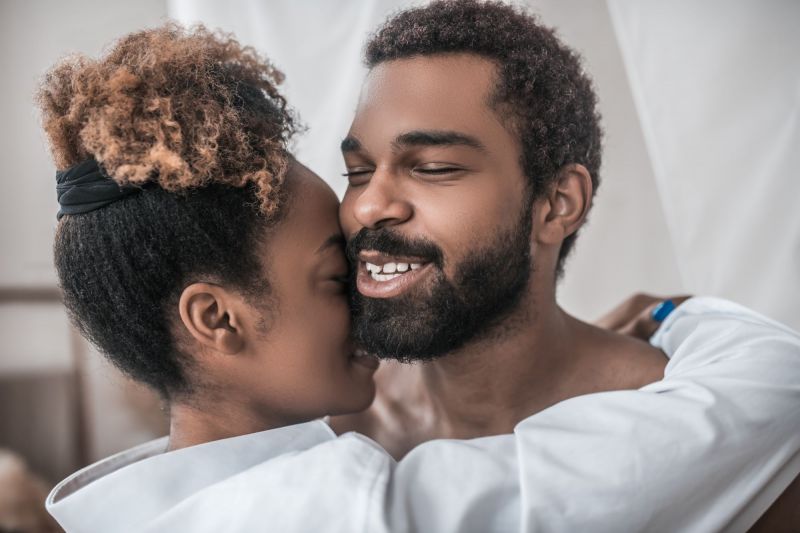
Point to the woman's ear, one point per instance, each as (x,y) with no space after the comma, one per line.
(213,317)
(564,210)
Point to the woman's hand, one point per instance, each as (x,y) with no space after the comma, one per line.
(634,316)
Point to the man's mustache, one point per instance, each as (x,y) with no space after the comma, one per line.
(390,242)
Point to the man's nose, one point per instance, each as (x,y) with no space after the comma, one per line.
(382,203)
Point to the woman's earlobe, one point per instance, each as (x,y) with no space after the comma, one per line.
(209,316)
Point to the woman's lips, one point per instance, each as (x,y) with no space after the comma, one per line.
(388,288)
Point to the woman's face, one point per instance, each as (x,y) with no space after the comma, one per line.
(303,365)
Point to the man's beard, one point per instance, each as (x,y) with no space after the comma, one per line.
(488,285)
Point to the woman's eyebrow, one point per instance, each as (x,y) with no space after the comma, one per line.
(337,239)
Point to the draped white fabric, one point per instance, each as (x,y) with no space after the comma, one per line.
(700,105)
(717,87)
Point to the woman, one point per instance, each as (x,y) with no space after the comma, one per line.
(206,262)
(176,275)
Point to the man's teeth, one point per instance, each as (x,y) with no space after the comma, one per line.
(389,271)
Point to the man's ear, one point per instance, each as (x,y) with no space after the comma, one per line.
(564,210)
(212,316)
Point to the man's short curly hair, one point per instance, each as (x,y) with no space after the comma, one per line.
(197,120)
(542,90)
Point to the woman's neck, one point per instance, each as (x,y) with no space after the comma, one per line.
(191,425)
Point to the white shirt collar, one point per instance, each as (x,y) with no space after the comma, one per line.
(136,484)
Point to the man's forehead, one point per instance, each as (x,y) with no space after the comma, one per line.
(445,92)
(454,78)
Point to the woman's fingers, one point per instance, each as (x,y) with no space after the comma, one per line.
(627,311)
(635,316)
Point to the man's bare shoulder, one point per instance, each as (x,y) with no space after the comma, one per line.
(611,361)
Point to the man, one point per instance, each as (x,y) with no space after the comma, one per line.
(472,162)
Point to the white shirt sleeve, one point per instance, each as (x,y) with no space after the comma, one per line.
(708,448)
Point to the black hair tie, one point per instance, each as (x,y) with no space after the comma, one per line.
(86,187)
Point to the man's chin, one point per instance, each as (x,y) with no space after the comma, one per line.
(397,330)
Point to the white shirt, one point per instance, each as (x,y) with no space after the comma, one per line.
(708,448)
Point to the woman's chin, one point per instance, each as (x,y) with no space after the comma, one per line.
(358,399)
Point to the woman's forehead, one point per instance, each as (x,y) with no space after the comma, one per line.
(312,215)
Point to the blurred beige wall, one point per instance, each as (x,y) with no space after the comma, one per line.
(59,405)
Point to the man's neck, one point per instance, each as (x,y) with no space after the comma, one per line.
(535,361)
(487,386)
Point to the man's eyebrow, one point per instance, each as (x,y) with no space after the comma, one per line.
(437,138)
(350,144)
(333,240)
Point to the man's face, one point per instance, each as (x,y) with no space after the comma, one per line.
(437,214)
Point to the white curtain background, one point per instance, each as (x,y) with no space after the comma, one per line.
(717,88)
(59,406)
(700,105)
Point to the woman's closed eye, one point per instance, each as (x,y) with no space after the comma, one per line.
(339,283)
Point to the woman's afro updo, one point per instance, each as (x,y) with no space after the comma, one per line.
(196,120)
(182,108)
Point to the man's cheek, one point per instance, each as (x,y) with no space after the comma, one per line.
(345,213)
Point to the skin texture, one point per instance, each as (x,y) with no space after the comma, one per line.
(539,355)
(250,359)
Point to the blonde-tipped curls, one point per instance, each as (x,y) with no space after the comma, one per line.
(182,108)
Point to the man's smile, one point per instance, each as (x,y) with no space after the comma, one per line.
(385,276)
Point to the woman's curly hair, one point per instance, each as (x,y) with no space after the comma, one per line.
(198,119)
(183,109)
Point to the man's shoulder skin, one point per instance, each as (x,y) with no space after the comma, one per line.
(404,414)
